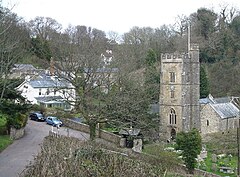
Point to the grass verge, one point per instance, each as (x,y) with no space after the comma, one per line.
(5,141)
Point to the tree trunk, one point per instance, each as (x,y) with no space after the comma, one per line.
(92,127)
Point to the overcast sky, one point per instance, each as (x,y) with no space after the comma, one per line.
(113,15)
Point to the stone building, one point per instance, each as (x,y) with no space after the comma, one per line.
(179,93)
(218,114)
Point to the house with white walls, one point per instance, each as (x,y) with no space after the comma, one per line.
(48,91)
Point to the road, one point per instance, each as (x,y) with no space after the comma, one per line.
(21,152)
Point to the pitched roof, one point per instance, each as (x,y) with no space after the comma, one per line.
(225,110)
(48,98)
(224,106)
(24,67)
(49,82)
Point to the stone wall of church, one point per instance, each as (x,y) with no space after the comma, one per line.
(185,88)
(209,120)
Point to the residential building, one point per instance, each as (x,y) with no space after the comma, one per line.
(48,91)
(23,70)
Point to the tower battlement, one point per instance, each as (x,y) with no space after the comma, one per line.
(194,46)
(168,56)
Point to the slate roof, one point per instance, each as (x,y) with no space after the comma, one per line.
(223,106)
(48,82)
(204,101)
(48,98)
(130,131)
(154,108)
(24,67)
(225,110)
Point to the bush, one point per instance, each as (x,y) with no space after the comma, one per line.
(3,124)
(3,120)
(70,157)
(18,121)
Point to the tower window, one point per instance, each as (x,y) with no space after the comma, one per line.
(172,77)
(172,93)
(172,117)
(207,122)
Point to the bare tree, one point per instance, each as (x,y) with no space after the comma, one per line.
(78,59)
(13,38)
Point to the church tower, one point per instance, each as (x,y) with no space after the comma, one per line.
(179,93)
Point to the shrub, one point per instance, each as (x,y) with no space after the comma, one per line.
(3,124)
(18,121)
(70,157)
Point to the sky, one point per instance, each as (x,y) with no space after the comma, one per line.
(113,15)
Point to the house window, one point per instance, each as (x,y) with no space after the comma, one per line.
(40,92)
(207,122)
(172,77)
(48,91)
(172,117)
(55,91)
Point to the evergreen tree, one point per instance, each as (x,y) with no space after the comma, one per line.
(191,144)
(152,76)
(204,83)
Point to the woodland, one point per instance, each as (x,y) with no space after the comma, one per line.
(136,55)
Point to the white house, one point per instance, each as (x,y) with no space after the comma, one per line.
(48,91)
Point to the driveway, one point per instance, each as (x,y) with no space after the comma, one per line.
(18,155)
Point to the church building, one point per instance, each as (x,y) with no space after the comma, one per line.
(179,93)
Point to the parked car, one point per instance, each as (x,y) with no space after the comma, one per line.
(54,121)
(36,116)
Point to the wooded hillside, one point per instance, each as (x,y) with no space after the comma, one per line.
(217,33)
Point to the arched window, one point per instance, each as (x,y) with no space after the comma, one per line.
(172,117)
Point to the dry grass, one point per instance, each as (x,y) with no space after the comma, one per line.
(65,156)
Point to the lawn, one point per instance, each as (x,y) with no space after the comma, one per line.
(5,141)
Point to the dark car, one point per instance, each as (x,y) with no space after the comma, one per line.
(36,116)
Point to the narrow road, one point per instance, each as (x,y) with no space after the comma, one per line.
(18,155)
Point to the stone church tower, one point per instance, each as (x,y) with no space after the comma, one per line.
(179,93)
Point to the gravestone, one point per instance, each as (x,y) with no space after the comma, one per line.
(137,145)
(214,167)
(214,158)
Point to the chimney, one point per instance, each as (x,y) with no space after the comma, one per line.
(52,69)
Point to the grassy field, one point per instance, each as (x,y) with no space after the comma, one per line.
(221,143)
(5,141)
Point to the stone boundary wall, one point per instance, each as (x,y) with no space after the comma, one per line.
(16,133)
(182,170)
(99,133)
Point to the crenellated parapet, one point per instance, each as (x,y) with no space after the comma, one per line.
(175,56)
(194,46)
